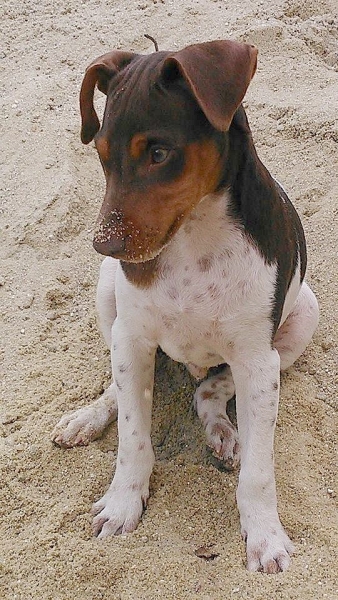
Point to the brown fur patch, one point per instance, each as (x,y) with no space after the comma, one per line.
(206,395)
(103,148)
(137,145)
(141,274)
(205,263)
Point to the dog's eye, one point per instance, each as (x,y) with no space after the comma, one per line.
(158,155)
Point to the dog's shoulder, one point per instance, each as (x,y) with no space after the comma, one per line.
(267,215)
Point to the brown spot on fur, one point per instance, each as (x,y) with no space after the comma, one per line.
(134,432)
(165,269)
(185,347)
(199,297)
(172,293)
(258,551)
(206,395)
(214,289)
(168,322)
(222,430)
(127,418)
(271,567)
(135,487)
(275,386)
(141,446)
(205,262)
(186,281)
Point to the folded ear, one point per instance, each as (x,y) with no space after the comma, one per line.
(217,73)
(98,73)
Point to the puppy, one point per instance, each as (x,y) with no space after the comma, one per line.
(206,259)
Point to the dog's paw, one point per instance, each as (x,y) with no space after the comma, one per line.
(119,510)
(268,548)
(222,438)
(211,399)
(86,424)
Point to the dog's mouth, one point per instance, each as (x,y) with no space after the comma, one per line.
(128,248)
(130,244)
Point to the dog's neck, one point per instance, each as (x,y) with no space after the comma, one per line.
(208,230)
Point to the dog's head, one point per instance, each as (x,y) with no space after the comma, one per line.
(159,143)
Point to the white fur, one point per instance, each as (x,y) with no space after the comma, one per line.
(211,304)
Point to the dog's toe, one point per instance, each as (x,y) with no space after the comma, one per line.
(269,550)
(222,438)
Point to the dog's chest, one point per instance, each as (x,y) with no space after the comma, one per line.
(213,290)
(204,300)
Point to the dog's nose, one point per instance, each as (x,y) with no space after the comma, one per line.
(114,246)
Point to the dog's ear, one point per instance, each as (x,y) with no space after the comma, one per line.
(217,73)
(99,73)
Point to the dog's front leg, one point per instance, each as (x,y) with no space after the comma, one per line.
(133,360)
(257,395)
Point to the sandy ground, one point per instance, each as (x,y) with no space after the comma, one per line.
(54,359)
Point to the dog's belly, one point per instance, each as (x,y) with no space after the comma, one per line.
(189,336)
(191,350)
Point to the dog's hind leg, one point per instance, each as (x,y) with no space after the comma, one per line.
(212,396)
(211,399)
(88,423)
(298,328)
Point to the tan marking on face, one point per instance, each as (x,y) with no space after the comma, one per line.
(137,145)
(103,148)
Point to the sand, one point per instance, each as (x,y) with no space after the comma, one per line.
(54,360)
